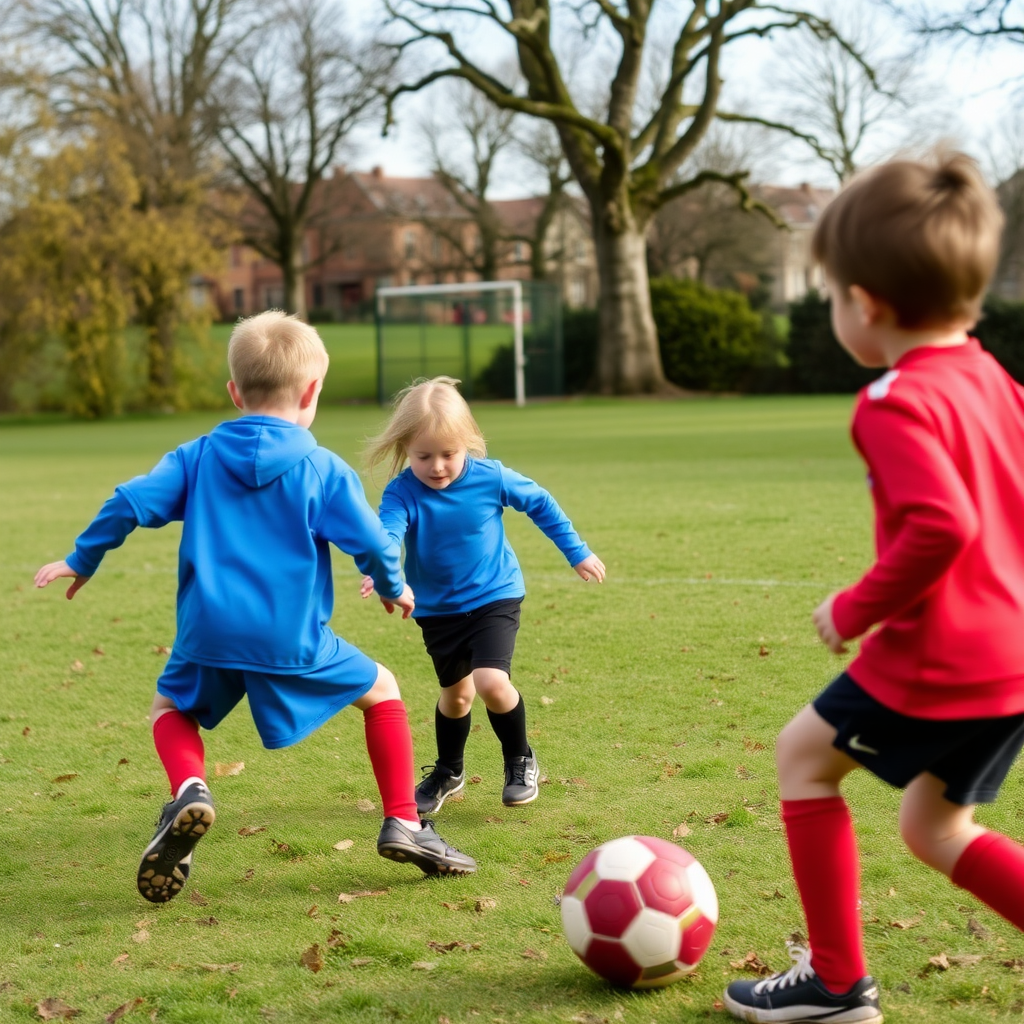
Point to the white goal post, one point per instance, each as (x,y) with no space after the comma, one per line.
(469,287)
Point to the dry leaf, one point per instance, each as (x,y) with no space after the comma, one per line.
(76,666)
(99,652)
(231,768)
(493,820)
(336,939)
(555,857)
(547,700)
(251,830)
(474,780)
(312,958)
(444,1020)
(751,962)
(120,961)
(223,968)
(364,805)
(422,965)
(447,947)
(210,922)
(531,954)
(1014,965)
(196,897)
(26,730)
(718,1005)
(910,922)
(763,652)
(314,911)
(348,897)
(977,929)
(66,778)
(344,844)
(681,831)
(140,936)
(55,1009)
(742,772)
(717,819)
(749,744)
(484,904)
(452,906)
(124,760)
(940,962)
(161,649)
(124,1008)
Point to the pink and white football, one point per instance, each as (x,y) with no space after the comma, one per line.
(639,911)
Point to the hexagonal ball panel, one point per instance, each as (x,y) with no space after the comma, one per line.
(623,860)
(611,906)
(695,941)
(665,886)
(611,960)
(574,924)
(653,938)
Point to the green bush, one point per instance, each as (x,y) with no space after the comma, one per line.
(710,339)
(1001,331)
(818,363)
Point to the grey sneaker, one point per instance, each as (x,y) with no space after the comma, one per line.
(521,774)
(437,785)
(426,849)
(166,862)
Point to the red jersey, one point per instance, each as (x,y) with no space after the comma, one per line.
(942,434)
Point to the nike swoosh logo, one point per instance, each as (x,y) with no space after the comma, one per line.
(854,743)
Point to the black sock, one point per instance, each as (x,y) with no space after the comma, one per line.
(452,734)
(510,728)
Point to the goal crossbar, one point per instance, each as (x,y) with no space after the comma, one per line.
(515,287)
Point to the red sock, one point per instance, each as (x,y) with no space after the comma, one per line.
(389,744)
(179,747)
(823,850)
(992,868)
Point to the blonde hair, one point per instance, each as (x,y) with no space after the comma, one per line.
(273,355)
(922,235)
(433,405)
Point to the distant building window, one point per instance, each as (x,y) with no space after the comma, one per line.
(410,244)
(239,300)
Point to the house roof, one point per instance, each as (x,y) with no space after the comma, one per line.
(408,197)
(799,205)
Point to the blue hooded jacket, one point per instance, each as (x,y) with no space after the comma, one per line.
(260,500)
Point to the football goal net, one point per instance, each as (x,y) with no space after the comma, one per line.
(502,339)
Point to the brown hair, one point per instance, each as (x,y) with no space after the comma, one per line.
(433,405)
(921,235)
(273,355)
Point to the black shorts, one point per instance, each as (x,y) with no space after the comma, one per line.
(482,638)
(971,755)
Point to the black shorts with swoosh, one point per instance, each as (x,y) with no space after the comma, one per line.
(971,755)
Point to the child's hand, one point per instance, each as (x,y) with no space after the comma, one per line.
(55,570)
(406,601)
(826,627)
(366,587)
(591,568)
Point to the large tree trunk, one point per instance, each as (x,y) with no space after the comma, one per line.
(294,275)
(628,358)
(160,350)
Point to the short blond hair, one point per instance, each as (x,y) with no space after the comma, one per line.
(433,405)
(272,356)
(923,235)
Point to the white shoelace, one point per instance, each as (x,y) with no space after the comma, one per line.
(800,971)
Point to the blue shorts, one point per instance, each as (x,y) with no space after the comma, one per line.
(285,708)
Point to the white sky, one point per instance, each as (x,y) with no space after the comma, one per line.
(975,92)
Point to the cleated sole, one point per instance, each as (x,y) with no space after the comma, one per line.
(165,863)
(413,855)
(519,803)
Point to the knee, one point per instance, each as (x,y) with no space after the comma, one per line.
(385,687)
(917,832)
(456,701)
(789,752)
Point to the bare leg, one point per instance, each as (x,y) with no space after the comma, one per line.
(936,830)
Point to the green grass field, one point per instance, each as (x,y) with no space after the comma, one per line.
(653,702)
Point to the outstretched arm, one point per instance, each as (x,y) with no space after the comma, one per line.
(591,568)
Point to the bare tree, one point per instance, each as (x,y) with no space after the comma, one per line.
(626,163)
(144,68)
(296,90)
(979,19)
(465,145)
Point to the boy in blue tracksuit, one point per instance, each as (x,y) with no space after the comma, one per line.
(447,509)
(260,502)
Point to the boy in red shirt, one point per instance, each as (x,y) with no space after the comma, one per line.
(934,701)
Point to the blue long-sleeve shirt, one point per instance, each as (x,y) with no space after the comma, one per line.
(457,557)
(260,501)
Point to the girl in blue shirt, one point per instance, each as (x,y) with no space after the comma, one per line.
(446,507)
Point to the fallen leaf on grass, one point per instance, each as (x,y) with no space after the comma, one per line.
(123,1009)
(753,745)
(140,936)
(910,922)
(422,965)
(447,947)
(124,760)
(210,922)
(77,666)
(547,700)
(120,961)
(940,962)
(1014,965)
(364,805)
(314,911)
(555,857)
(26,730)
(484,904)
(230,768)
(161,649)
(494,821)
(344,844)
(98,651)
(718,1005)
(348,897)
(312,958)
(336,939)
(66,778)
(475,780)
(452,906)
(681,831)
(251,830)
(751,962)
(532,954)
(742,771)
(763,652)
(55,1009)
(979,931)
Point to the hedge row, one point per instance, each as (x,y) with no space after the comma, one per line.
(711,340)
